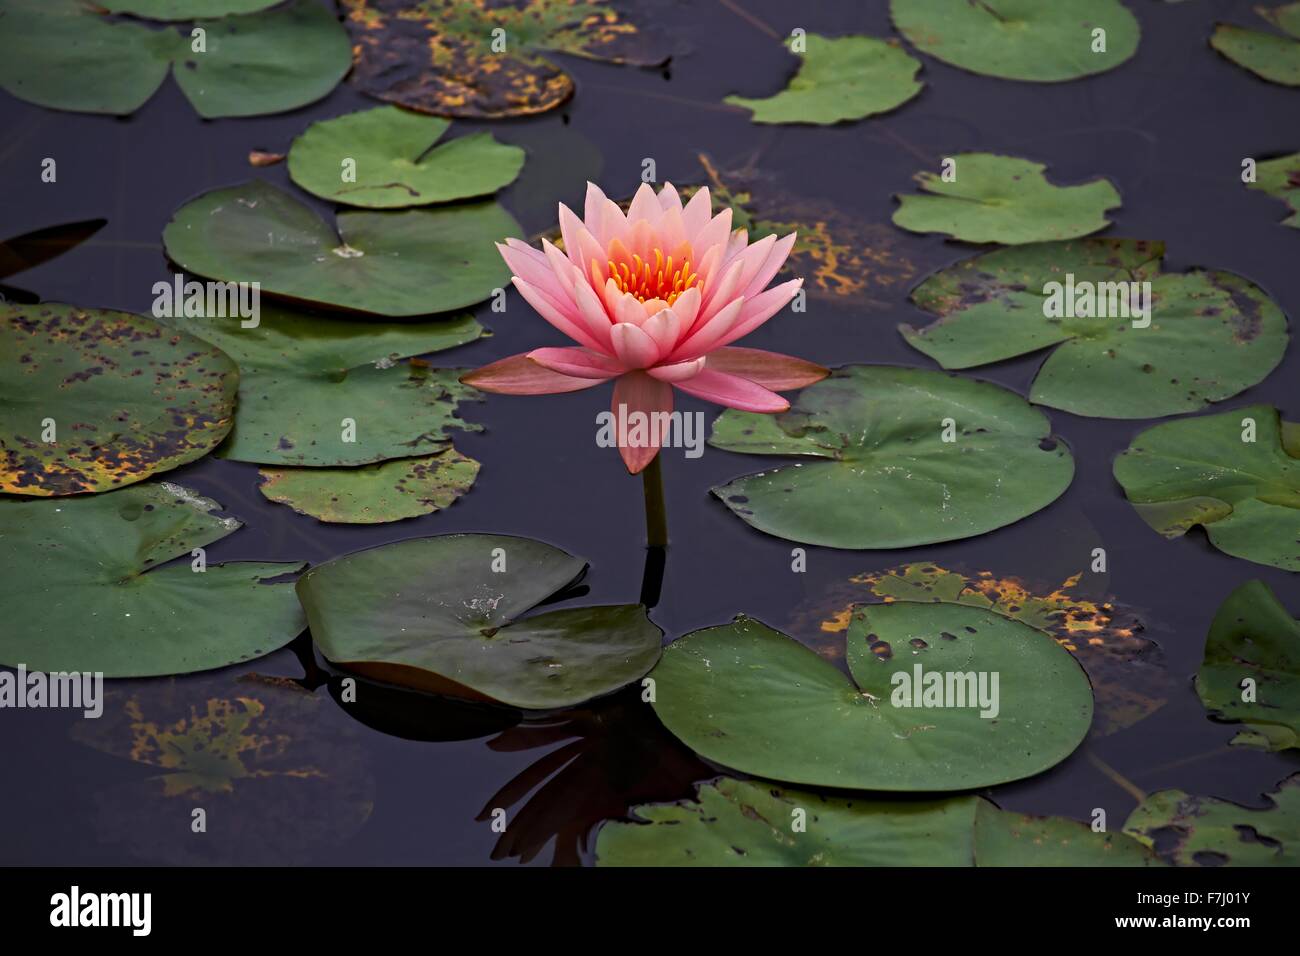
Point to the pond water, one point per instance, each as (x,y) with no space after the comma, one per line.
(411,779)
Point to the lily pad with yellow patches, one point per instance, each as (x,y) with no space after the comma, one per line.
(1127,670)
(481,59)
(371,494)
(279,773)
(97,399)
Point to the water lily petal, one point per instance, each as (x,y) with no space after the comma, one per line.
(687,307)
(669,198)
(761,308)
(733,391)
(709,334)
(644,206)
(638,392)
(697,213)
(520,375)
(564,317)
(579,363)
(771,265)
(664,327)
(633,347)
(592,312)
(716,233)
(769,369)
(678,372)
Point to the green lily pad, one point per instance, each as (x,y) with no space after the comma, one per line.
(184,9)
(1267,55)
(370,494)
(433,614)
(84,588)
(741,823)
(486,60)
(840,78)
(65,55)
(1184,341)
(1280,178)
(384,263)
(1020,39)
(753,699)
(1189,830)
(119,397)
(396,162)
(1253,636)
(1004,199)
(1200,471)
(883,475)
(302,378)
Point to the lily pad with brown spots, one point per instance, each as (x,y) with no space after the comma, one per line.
(1280,178)
(486,58)
(1128,339)
(1190,830)
(371,494)
(277,768)
(96,399)
(120,584)
(1272,56)
(1128,672)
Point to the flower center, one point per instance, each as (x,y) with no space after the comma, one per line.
(662,279)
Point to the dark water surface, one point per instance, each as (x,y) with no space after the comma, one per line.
(1170,129)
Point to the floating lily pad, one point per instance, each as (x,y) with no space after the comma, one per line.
(1004,199)
(184,9)
(1202,471)
(1200,337)
(1254,637)
(370,494)
(1020,39)
(478,59)
(1280,178)
(96,400)
(1267,55)
(395,160)
(84,589)
(63,54)
(432,613)
(280,771)
(384,263)
(883,476)
(302,378)
(1130,680)
(840,78)
(740,823)
(1190,830)
(753,699)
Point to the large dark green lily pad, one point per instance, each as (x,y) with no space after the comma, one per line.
(370,494)
(1202,337)
(477,58)
(63,54)
(1020,39)
(1270,56)
(750,698)
(127,398)
(302,376)
(840,78)
(1253,636)
(1200,471)
(431,613)
(84,589)
(1004,199)
(1280,178)
(384,263)
(1190,830)
(741,823)
(396,161)
(882,474)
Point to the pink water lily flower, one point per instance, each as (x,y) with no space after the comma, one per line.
(654,299)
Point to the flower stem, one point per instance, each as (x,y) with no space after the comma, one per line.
(656,517)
